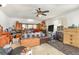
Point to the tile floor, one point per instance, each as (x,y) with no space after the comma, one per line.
(45,49)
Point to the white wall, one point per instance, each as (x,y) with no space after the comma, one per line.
(73,18)
(56,22)
(4,20)
(66,19)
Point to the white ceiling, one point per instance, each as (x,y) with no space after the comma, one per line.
(28,10)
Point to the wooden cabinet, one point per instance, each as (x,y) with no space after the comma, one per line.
(71,37)
(18,35)
(44,40)
(18,26)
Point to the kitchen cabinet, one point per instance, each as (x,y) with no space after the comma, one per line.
(18,26)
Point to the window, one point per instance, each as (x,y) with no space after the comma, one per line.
(23,26)
(30,26)
(34,26)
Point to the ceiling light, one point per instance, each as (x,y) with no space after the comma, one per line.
(40,16)
(30,20)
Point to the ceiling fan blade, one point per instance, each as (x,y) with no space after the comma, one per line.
(39,12)
(45,11)
(39,9)
(0,5)
(37,15)
(44,14)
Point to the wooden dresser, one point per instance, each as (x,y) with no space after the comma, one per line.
(71,36)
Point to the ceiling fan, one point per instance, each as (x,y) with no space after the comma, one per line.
(40,12)
(0,5)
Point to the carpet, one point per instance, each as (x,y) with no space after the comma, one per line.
(66,49)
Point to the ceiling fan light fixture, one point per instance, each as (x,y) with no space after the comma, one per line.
(0,5)
(40,15)
(3,5)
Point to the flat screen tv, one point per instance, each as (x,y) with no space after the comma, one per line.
(51,28)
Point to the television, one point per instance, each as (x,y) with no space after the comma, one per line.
(51,28)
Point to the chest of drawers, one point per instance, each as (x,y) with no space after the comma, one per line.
(71,37)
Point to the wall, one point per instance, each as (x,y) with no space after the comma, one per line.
(73,18)
(65,19)
(56,22)
(4,20)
